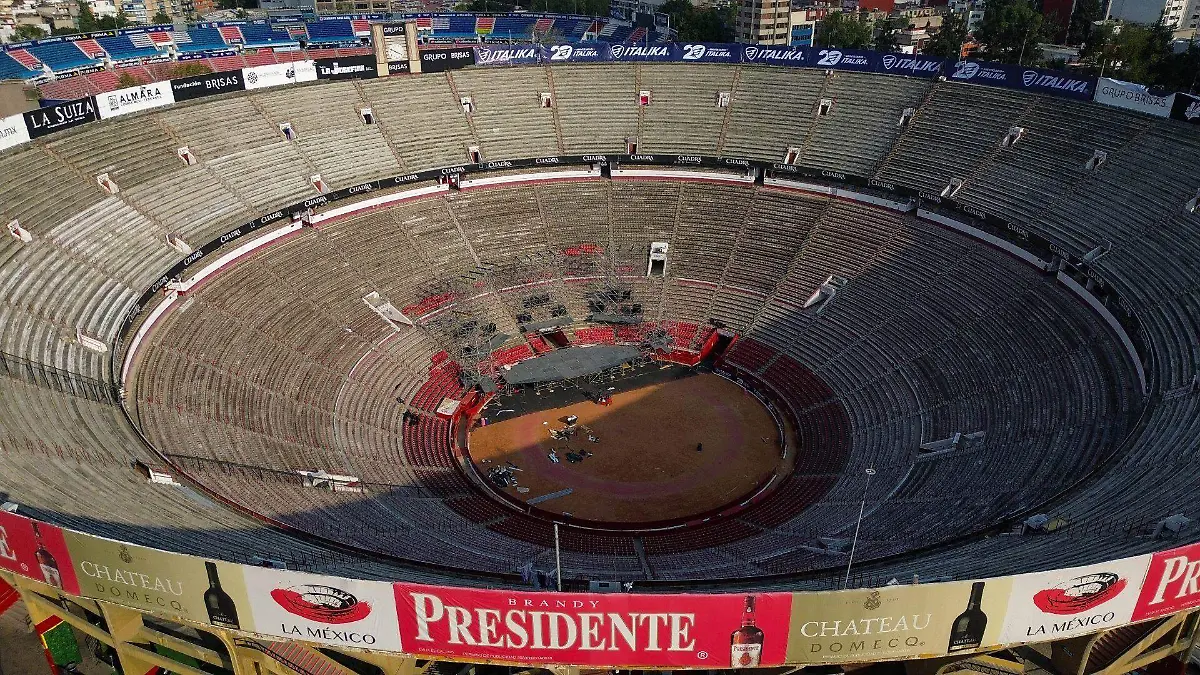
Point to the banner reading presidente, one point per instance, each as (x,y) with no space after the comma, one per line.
(596,629)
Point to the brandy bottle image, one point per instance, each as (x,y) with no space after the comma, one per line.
(967,630)
(746,643)
(221,610)
(46,561)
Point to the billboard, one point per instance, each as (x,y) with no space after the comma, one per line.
(1033,80)
(896,622)
(506,55)
(1133,97)
(134,99)
(36,550)
(701,52)
(277,74)
(595,629)
(579,53)
(144,578)
(326,610)
(346,67)
(60,117)
(1186,108)
(210,84)
(441,60)
(13,131)
(775,56)
(1073,601)
(1172,583)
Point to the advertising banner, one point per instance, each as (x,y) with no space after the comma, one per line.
(1172,583)
(774,56)
(710,53)
(277,74)
(211,84)
(665,52)
(134,99)
(346,67)
(844,59)
(60,117)
(913,66)
(506,55)
(328,610)
(1073,601)
(36,550)
(1034,80)
(13,131)
(581,53)
(398,67)
(1186,108)
(441,60)
(1133,97)
(144,578)
(596,629)
(897,621)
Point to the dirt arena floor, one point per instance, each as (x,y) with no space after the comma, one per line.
(645,467)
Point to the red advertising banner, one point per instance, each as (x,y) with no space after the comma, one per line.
(1172,583)
(36,550)
(595,629)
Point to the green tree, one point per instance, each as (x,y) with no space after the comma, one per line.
(697,24)
(128,80)
(1086,13)
(885,35)
(840,29)
(948,41)
(26,31)
(1011,30)
(161,17)
(190,68)
(86,19)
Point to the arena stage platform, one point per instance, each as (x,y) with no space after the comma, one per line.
(570,363)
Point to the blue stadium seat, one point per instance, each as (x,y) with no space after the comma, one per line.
(331,30)
(203,39)
(62,56)
(121,47)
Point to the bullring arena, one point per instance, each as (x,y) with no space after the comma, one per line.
(939,354)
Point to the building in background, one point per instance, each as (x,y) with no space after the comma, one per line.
(802,25)
(765,22)
(1174,13)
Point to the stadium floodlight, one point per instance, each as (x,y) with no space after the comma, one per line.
(862,507)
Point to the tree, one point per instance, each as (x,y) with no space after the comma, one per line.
(885,35)
(839,29)
(1086,13)
(697,24)
(26,31)
(86,19)
(190,68)
(1011,30)
(948,41)
(161,17)
(127,79)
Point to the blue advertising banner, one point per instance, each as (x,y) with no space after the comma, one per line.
(710,53)
(774,56)
(844,59)
(506,55)
(913,66)
(585,52)
(1033,80)
(661,52)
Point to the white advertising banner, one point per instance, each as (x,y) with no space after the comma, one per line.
(328,610)
(278,74)
(13,131)
(1073,601)
(134,99)
(1132,97)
